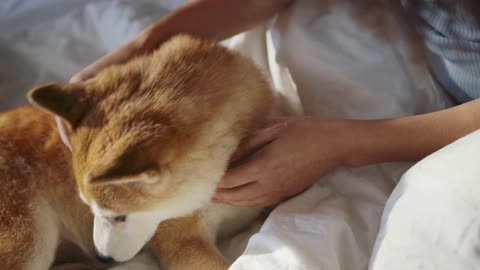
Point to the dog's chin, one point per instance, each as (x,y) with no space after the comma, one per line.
(122,241)
(118,255)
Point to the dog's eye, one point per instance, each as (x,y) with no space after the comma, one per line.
(120,218)
(117,219)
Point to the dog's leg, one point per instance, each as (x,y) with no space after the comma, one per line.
(76,249)
(183,244)
(77,231)
(46,230)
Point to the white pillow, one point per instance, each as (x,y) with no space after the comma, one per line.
(432,219)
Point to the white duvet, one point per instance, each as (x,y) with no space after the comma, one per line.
(337,69)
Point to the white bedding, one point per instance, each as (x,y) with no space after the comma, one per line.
(432,219)
(340,69)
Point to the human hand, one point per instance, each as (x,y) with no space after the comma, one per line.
(290,154)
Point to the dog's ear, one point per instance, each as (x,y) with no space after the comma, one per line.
(68,101)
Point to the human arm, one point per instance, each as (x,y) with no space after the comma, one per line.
(412,138)
(207,19)
(302,150)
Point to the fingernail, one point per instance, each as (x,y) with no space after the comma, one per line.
(269,129)
(276,126)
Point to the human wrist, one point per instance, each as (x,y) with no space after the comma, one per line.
(376,141)
(356,143)
(339,136)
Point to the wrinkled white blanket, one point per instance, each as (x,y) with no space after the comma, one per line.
(339,68)
(432,219)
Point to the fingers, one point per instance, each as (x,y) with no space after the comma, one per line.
(247,184)
(257,140)
(242,184)
(62,129)
(119,56)
(248,191)
(251,155)
(242,174)
(82,76)
(262,201)
(251,194)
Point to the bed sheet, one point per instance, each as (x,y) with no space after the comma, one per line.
(352,60)
(338,68)
(432,219)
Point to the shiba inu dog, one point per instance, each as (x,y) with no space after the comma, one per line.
(150,140)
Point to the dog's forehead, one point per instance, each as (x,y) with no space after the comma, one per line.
(99,211)
(117,198)
(105,205)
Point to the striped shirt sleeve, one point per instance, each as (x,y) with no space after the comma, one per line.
(451,32)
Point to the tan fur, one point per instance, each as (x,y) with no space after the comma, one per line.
(158,106)
(35,170)
(145,135)
(158,115)
(183,244)
(161,114)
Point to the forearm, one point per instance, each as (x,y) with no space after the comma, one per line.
(409,138)
(210,19)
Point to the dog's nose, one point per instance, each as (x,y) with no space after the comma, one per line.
(104,259)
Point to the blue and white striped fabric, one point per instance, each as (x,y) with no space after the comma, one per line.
(451,31)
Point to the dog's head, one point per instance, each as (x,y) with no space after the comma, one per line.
(151,138)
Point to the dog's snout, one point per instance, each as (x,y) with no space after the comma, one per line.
(104,259)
